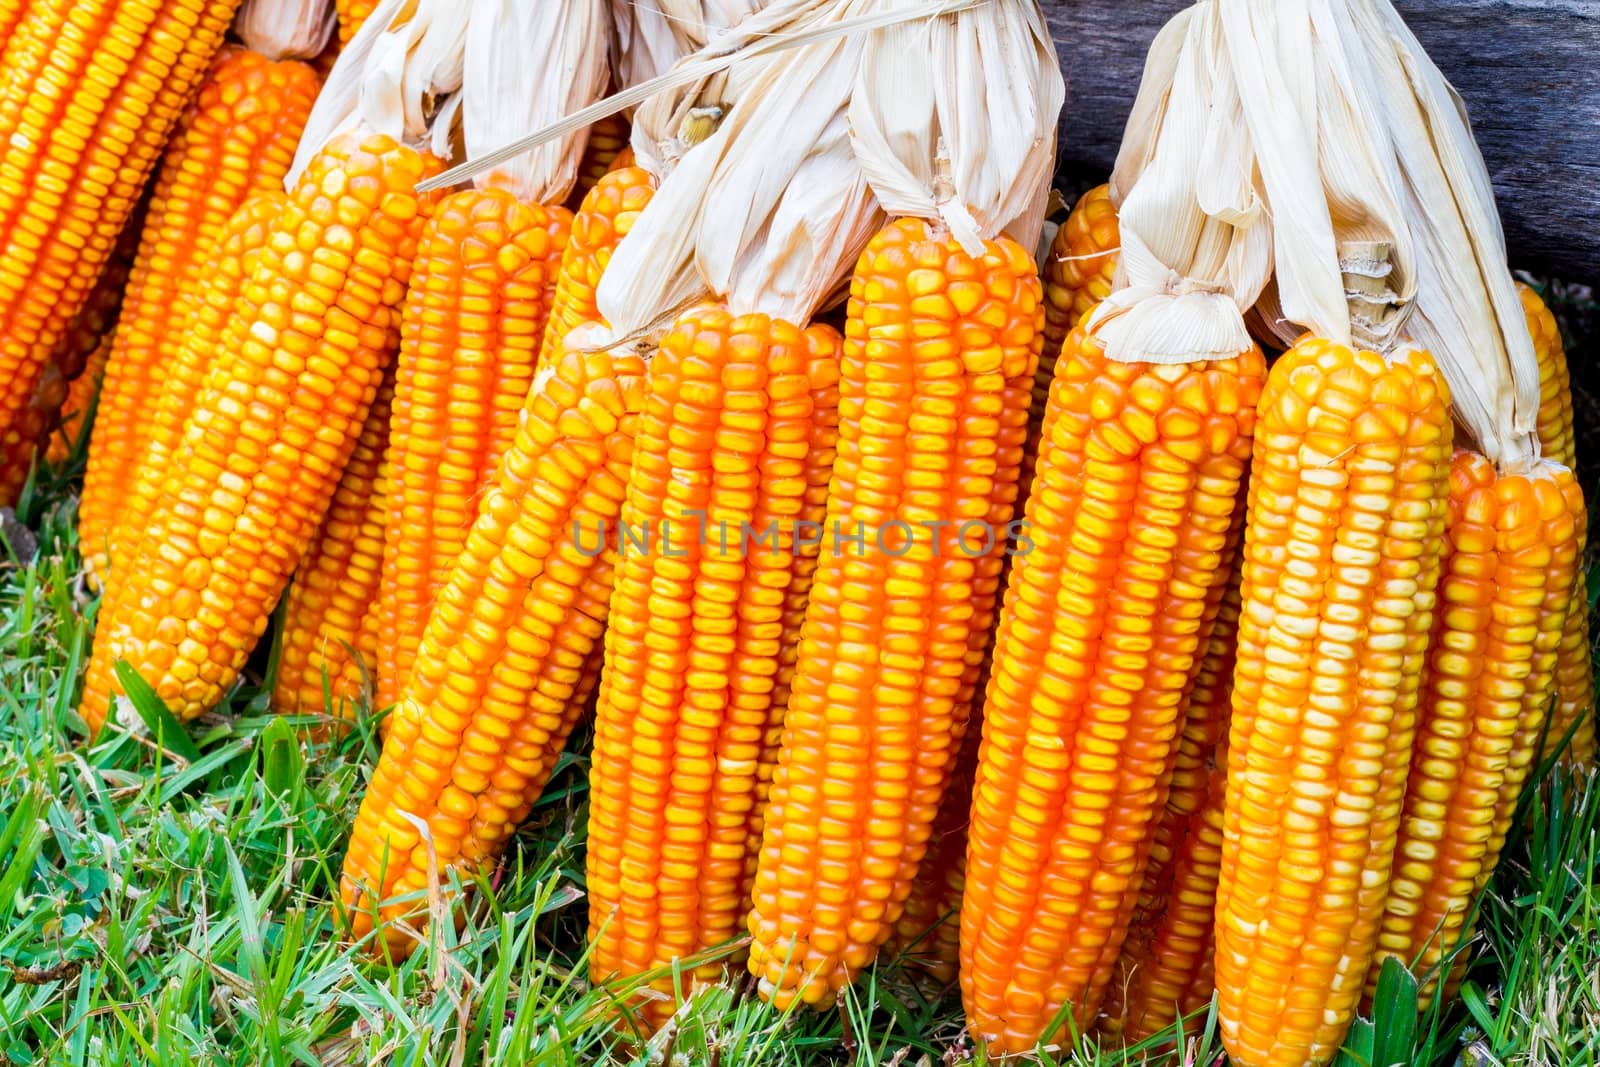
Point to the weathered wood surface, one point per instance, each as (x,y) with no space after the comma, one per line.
(1529,71)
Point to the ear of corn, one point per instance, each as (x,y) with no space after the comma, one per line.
(46,416)
(1168,961)
(1165,969)
(1556,437)
(608,139)
(352,13)
(1134,501)
(209,310)
(1078,274)
(30,428)
(607,214)
(274,424)
(928,936)
(92,89)
(939,355)
(237,137)
(1509,542)
(330,624)
(736,445)
(86,344)
(474,315)
(1347,509)
(494,692)
(1575,709)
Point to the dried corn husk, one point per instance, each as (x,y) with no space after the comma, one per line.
(1195,234)
(761,203)
(1139,135)
(770,210)
(1385,228)
(1346,267)
(1466,303)
(975,152)
(395,76)
(527,66)
(286,29)
(652,35)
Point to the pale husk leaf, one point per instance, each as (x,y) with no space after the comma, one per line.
(645,43)
(1467,313)
(770,210)
(1144,121)
(528,64)
(650,36)
(286,29)
(753,38)
(1195,235)
(1306,87)
(392,78)
(953,119)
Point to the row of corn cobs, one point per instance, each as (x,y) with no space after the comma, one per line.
(367,388)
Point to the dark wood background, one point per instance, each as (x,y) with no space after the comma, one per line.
(1529,71)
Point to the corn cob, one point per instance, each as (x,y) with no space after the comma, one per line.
(330,624)
(1510,550)
(45,413)
(272,428)
(1168,961)
(97,319)
(91,91)
(1347,508)
(603,220)
(1556,438)
(81,393)
(237,137)
(939,355)
(931,917)
(1165,967)
(470,332)
(491,699)
(1575,673)
(736,444)
(1100,638)
(227,268)
(1077,275)
(352,13)
(928,936)
(608,139)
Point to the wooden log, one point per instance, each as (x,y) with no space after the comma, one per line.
(1528,70)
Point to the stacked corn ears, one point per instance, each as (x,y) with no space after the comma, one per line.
(1036,626)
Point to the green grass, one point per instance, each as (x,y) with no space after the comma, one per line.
(169,902)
